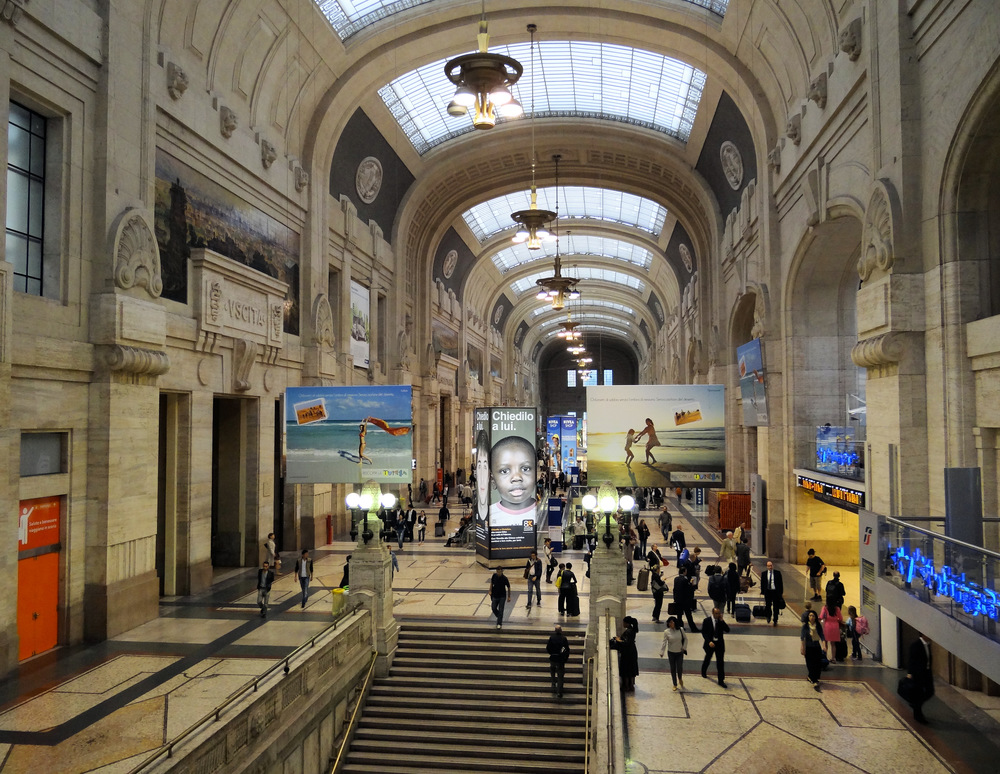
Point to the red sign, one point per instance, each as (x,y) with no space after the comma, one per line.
(38,522)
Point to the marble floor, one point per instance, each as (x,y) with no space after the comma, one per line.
(106,708)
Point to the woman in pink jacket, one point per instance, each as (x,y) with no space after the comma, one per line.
(832,620)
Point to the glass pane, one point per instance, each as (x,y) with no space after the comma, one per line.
(36,208)
(20,116)
(33,287)
(17,201)
(37,124)
(34,259)
(41,453)
(20,284)
(17,146)
(17,252)
(38,156)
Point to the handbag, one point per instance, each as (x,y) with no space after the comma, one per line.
(907,689)
(782,604)
(673,608)
(526,573)
(558,581)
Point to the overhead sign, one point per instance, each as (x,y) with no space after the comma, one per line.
(835,494)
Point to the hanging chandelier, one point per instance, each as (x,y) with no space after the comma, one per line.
(483,82)
(532,220)
(569,330)
(576,349)
(557,289)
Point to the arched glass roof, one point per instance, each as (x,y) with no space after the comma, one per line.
(591,302)
(574,244)
(576,78)
(583,316)
(348,17)
(582,273)
(493,216)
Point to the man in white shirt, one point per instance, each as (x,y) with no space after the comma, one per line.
(304,572)
(774,591)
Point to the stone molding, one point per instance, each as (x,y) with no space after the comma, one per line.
(136,254)
(136,360)
(882,218)
(6,310)
(177,81)
(884,349)
(12,10)
(244,355)
(323,322)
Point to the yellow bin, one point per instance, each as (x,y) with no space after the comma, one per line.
(339,597)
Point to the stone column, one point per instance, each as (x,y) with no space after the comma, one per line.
(9,469)
(608,589)
(371,588)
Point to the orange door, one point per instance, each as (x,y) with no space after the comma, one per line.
(37,604)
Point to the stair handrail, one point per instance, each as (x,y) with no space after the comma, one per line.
(249,687)
(589,730)
(349,731)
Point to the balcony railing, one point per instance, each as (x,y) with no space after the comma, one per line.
(845,459)
(958,579)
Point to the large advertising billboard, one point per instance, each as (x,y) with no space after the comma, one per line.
(567,429)
(360,324)
(750,365)
(657,435)
(506,472)
(348,435)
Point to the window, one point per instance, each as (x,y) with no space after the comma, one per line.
(43,454)
(589,378)
(608,377)
(25,197)
(571,377)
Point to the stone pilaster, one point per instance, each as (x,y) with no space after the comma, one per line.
(608,590)
(371,588)
(9,468)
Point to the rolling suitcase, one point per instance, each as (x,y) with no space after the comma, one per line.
(573,605)
(759,611)
(741,611)
(643,583)
(439,529)
(840,650)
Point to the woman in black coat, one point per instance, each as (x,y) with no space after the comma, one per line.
(628,655)
(732,587)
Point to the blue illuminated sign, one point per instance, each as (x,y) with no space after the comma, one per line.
(974,599)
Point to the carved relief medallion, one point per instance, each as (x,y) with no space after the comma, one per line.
(659,311)
(686,258)
(450,261)
(368,179)
(497,315)
(732,164)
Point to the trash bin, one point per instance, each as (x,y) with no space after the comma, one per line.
(339,600)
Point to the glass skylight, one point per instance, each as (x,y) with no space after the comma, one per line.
(582,273)
(591,302)
(572,78)
(574,244)
(583,316)
(492,217)
(349,17)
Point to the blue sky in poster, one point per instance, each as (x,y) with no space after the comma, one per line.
(391,403)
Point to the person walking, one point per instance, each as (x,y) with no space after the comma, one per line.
(684,597)
(816,570)
(716,586)
(713,631)
(854,627)
(658,586)
(732,588)
(270,551)
(675,646)
(572,598)
(743,558)
(421,528)
(628,654)
(559,653)
(727,551)
(833,622)
(774,592)
(666,524)
(304,572)
(678,542)
(562,589)
(812,646)
(919,671)
(401,532)
(550,559)
(533,574)
(499,594)
(643,531)
(835,592)
(265,577)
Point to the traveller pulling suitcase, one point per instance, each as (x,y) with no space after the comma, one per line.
(643,582)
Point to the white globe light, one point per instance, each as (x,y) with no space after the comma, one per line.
(607,504)
(589,502)
(365,501)
(627,502)
(388,499)
(353,500)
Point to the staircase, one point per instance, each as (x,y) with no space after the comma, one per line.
(472,700)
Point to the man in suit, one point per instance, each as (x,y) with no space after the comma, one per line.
(919,670)
(558,650)
(774,591)
(713,631)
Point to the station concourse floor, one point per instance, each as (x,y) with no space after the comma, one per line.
(105,708)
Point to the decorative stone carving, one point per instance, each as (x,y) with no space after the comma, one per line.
(135,360)
(450,262)
(277,320)
(817,90)
(774,158)
(368,179)
(228,121)
(878,230)
(136,254)
(323,322)
(686,257)
(301,179)
(214,299)
(12,10)
(880,350)
(244,355)
(793,129)
(177,81)
(404,342)
(759,317)
(675,369)
(713,346)
(268,154)
(732,164)
(660,314)
(850,40)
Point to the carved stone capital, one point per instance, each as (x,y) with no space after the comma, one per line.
(881,350)
(228,121)
(882,219)
(135,253)
(850,39)
(817,90)
(177,81)
(135,360)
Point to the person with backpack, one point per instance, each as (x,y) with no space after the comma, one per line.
(835,592)
(716,586)
(857,627)
(658,586)
(732,588)
(677,542)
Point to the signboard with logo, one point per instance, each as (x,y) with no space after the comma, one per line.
(38,523)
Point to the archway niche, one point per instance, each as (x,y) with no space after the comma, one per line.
(822,381)
(741,445)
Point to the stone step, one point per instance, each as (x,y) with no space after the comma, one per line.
(451,706)
(473,685)
(458,738)
(403,667)
(445,756)
(410,719)
(456,766)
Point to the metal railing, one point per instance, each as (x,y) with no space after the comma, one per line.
(251,687)
(349,731)
(956,578)
(588,735)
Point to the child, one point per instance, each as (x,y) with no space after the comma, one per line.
(852,630)
(512,466)
(629,440)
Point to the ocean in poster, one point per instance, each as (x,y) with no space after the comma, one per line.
(689,449)
(327,452)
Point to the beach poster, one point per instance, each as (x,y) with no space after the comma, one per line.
(750,364)
(656,435)
(348,435)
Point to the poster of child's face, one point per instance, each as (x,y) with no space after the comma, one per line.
(482,474)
